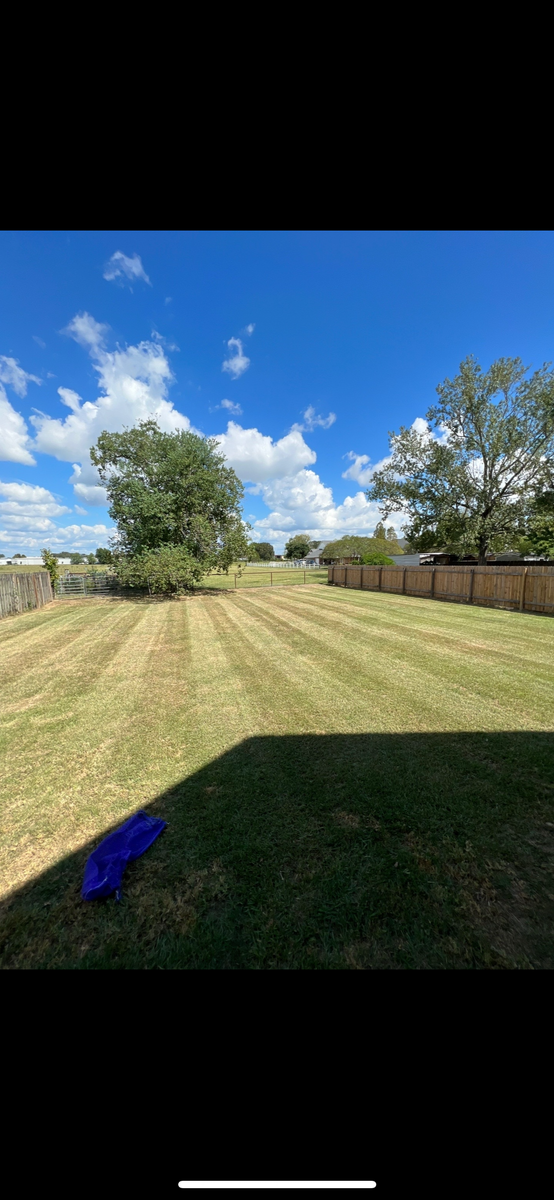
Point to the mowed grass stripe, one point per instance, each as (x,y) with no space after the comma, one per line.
(490,680)
(470,627)
(325,807)
(401,692)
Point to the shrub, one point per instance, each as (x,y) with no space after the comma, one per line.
(169,570)
(377,560)
(51,563)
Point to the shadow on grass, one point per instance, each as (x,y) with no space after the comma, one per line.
(323,851)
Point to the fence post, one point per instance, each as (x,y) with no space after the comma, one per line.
(471,578)
(522,597)
(433,569)
(380,573)
(404,581)
(235,581)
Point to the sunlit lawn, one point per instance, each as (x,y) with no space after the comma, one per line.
(351,780)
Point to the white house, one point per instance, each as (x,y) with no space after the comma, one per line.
(30,562)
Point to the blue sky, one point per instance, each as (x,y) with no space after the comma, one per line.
(299,350)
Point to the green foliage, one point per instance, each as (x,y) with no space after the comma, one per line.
(265,551)
(298,546)
(52,566)
(103,555)
(172,489)
(355,547)
(468,482)
(164,571)
(252,553)
(540,526)
(77,559)
(377,560)
(19,556)
(91,559)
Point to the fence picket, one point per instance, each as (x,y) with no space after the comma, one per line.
(523,589)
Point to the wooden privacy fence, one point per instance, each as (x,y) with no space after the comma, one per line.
(21,590)
(522,589)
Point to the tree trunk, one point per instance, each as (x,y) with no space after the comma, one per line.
(482,552)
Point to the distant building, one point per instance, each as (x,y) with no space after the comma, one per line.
(314,556)
(29,562)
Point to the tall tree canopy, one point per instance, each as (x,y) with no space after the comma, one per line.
(350,546)
(172,489)
(469,481)
(298,546)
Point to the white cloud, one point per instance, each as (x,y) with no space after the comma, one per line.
(28,508)
(39,342)
(86,484)
(303,504)
(15,442)
(311,420)
(120,267)
(27,493)
(134,387)
(20,522)
(421,426)
(250,329)
(14,375)
(256,457)
(86,331)
(235,409)
(72,399)
(82,511)
(78,537)
(168,299)
(359,470)
(14,435)
(238,363)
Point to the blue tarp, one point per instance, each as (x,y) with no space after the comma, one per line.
(106,864)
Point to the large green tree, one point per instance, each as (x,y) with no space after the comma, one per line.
(468,480)
(265,551)
(350,546)
(298,546)
(539,532)
(172,489)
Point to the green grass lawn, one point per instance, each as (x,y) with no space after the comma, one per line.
(263,576)
(352,781)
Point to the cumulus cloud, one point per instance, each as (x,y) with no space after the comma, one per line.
(120,267)
(39,342)
(86,484)
(311,420)
(72,399)
(133,383)
(421,426)
(28,509)
(256,457)
(303,504)
(14,435)
(250,329)
(15,442)
(360,468)
(82,511)
(238,363)
(78,537)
